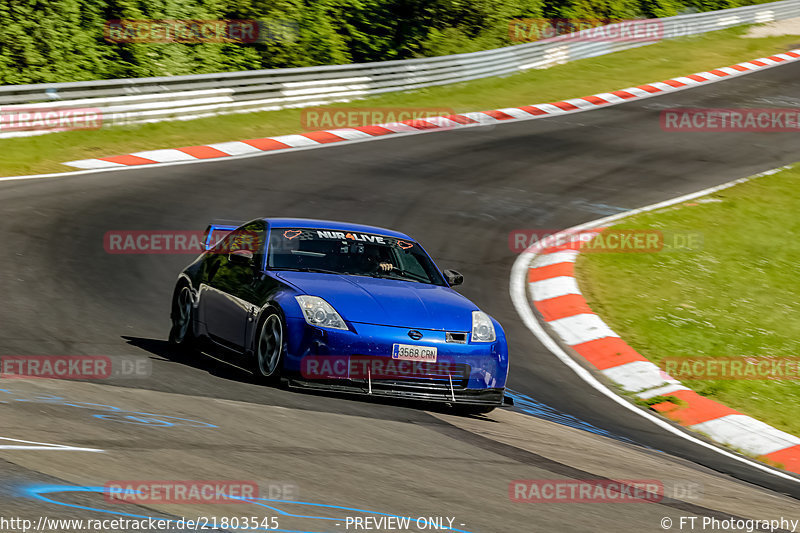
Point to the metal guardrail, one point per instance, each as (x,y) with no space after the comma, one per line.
(142,100)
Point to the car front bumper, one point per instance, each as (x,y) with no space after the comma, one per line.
(473,373)
(401,390)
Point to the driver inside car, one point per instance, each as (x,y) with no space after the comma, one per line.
(368,259)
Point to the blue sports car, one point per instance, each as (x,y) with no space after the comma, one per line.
(336,306)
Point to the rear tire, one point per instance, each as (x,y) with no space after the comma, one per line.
(270,345)
(181,335)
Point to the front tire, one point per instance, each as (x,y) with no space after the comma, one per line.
(181,336)
(269,345)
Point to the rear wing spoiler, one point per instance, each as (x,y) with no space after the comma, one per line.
(215,233)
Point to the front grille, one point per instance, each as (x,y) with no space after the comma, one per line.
(434,379)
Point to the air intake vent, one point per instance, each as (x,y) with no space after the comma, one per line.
(458,337)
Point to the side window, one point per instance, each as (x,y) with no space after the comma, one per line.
(408,262)
(251,236)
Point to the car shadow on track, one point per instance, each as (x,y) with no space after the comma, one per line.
(201,361)
(225,370)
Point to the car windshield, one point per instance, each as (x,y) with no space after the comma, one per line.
(352,253)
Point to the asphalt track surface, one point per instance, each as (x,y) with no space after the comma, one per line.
(460,193)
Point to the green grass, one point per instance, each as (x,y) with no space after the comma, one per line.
(736,295)
(580,78)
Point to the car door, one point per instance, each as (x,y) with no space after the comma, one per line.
(234,270)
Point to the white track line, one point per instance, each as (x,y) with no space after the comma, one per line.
(43,446)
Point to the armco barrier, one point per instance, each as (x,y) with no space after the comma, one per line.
(141,100)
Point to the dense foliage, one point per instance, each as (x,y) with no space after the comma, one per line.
(64,40)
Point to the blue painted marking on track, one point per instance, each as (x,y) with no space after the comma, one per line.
(152,420)
(533,407)
(43,492)
(111,413)
(138,420)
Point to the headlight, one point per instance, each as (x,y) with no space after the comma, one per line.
(318,312)
(482,327)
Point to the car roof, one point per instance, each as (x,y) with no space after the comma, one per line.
(330,224)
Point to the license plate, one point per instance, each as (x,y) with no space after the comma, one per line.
(411,352)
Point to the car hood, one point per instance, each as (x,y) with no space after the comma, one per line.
(388,302)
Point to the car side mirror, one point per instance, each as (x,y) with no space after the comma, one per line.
(453,277)
(241,257)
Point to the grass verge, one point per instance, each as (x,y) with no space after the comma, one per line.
(580,78)
(735,296)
